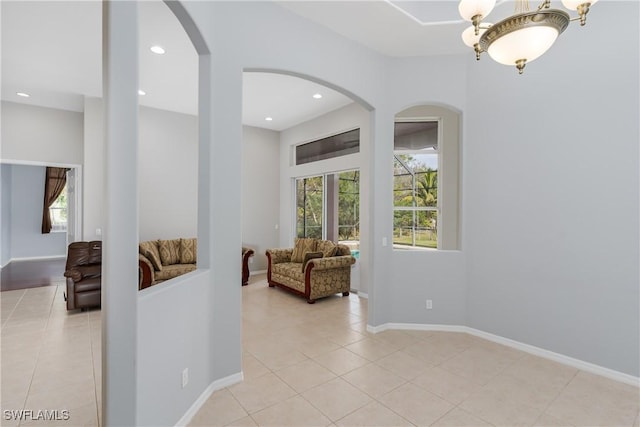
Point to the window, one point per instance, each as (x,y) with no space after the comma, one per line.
(58,212)
(349,206)
(415,184)
(310,207)
(328,207)
(328,148)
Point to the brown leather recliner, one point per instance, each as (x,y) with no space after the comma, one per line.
(84,274)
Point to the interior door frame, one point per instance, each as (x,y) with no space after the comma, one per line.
(77,213)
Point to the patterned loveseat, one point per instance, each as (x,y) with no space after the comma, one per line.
(313,268)
(161,260)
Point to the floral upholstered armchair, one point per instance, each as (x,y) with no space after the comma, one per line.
(313,268)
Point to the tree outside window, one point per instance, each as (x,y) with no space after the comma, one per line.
(58,212)
(328,206)
(309,206)
(415,185)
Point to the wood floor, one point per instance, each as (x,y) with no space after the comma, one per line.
(32,274)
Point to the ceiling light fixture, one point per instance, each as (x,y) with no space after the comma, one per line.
(157,49)
(141,92)
(523,36)
(317,96)
(22,94)
(269,119)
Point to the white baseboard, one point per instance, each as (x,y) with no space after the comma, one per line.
(527,348)
(214,386)
(259,272)
(361,294)
(36,258)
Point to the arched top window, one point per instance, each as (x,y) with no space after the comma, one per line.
(426,178)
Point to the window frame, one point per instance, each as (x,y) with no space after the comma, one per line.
(324,176)
(415,209)
(63,227)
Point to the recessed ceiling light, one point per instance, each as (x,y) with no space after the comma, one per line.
(141,92)
(317,96)
(157,49)
(22,94)
(268,119)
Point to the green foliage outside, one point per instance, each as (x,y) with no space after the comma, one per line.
(407,170)
(309,209)
(309,206)
(417,220)
(58,209)
(349,205)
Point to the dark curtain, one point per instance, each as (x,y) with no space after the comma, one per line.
(54,182)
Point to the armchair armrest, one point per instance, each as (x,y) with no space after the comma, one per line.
(330,262)
(74,274)
(146,272)
(246,254)
(276,256)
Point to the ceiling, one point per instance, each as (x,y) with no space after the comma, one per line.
(52,51)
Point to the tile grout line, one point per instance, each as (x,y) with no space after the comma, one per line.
(14,307)
(33,374)
(544,411)
(93,369)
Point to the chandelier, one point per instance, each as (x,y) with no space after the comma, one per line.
(523,36)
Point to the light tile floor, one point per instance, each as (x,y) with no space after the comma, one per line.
(316,365)
(313,365)
(50,359)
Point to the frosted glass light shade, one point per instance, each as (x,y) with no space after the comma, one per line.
(470,8)
(526,43)
(469,35)
(573,4)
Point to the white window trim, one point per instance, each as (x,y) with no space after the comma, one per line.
(440,185)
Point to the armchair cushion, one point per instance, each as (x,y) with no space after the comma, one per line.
(89,271)
(169,251)
(150,251)
(188,251)
(174,270)
(327,247)
(302,246)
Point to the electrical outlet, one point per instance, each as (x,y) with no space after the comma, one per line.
(98,231)
(185,377)
(429,304)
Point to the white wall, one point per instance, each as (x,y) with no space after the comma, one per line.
(5,214)
(551,194)
(421,275)
(93,187)
(180,322)
(44,135)
(347,118)
(260,192)
(167,167)
(168,174)
(27,193)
